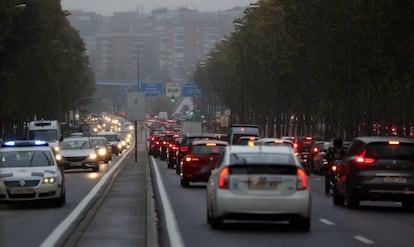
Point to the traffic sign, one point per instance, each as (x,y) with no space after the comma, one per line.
(152,89)
(172,89)
(190,89)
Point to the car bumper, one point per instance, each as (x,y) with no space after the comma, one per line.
(79,165)
(20,194)
(376,188)
(231,205)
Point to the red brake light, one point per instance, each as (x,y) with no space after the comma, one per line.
(363,160)
(184,149)
(295,145)
(189,158)
(302,183)
(333,168)
(315,150)
(223,180)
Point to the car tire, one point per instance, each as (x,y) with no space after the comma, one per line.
(407,204)
(61,200)
(302,224)
(184,183)
(350,199)
(216,222)
(96,168)
(177,169)
(327,185)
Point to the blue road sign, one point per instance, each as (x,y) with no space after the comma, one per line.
(150,89)
(190,89)
(153,89)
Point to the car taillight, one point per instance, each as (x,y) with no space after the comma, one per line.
(363,160)
(189,158)
(334,168)
(184,149)
(302,182)
(170,145)
(315,150)
(164,142)
(223,180)
(295,145)
(174,148)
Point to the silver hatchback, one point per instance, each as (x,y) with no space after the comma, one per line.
(259,183)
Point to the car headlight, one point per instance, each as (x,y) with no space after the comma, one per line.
(49,180)
(56,148)
(119,145)
(58,157)
(102,151)
(123,143)
(92,156)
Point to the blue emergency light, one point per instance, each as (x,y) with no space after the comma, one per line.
(25,143)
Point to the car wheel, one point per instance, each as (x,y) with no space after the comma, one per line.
(327,185)
(350,200)
(302,224)
(337,199)
(177,169)
(209,219)
(185,183)
(216,222)
(60,201)
(407,205)
(96,168)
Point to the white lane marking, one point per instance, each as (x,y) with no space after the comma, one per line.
(63,227)
(363,239)
(325,221)
(172,227)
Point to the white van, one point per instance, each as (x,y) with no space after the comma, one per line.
(48,130)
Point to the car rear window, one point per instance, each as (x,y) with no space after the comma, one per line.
(402,151)
(262,158)
(204,149)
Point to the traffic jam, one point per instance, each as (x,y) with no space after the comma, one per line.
(234,123)
(241,180)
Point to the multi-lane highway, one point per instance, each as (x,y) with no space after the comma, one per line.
(374,223)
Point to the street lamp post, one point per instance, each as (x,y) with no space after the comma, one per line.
(239,26)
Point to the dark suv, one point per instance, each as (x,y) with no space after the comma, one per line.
(376,168)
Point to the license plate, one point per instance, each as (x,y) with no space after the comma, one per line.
(22,191)
(262,185)
(399,180)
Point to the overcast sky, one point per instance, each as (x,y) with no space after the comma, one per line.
(108,7)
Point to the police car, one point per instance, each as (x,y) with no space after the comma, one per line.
(29,172)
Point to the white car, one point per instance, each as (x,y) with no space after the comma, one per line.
(259,183)
(29,172)
(77,153)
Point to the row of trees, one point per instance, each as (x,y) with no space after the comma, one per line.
(44,68)
(325,67)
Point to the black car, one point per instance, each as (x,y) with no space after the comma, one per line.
(376,168)
(186,142)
